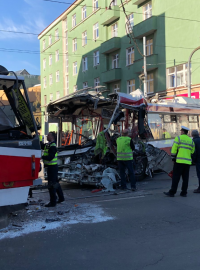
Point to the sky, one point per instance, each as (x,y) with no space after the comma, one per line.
(29,16)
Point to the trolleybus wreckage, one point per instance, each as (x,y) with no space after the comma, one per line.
(20,151)
(152,126)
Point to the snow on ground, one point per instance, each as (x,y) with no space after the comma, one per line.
(38,218)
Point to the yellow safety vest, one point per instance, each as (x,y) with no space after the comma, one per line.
(166,135)
(124,151)
(182,149)
(40,137)
(54,161)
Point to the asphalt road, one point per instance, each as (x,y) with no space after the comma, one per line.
(148,231)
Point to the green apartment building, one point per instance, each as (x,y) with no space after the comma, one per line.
(90,45)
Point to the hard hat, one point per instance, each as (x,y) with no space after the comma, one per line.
(185,128)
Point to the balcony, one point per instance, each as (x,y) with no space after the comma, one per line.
(110,16)
(111,75)
(152,63)
(111,45)
(145,28)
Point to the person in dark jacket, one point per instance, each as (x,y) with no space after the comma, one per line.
(196,156)
(50,162)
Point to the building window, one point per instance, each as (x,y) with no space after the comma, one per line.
(115,61)
(74,44)
(57,55)
(130,23)
(66,41)
(50,79)
(177,76)
(66,24)
(150,87)
(95,4)
(75,69)
(44,63)
(50,40)
(85,64)
(96,31)
(85,85)
(67,63)
(45,100)
(50,59)
(74,20)
(84,38)
(130,86)
(129,56)
(114,3)
(84,13)
(44,44)
(75,88)
(116,87)
(45,82)
(114,29)
(96,58)
(57,76)
(147,10)
(96,82)
(51,97)
(56,34)
(67,85)
(149,47)
(57,95)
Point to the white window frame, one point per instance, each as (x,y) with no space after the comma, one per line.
(114,30)
(150,78)
(45,99)
(45,82)
(74,44)
(50,60)
(96,58)
(130,86)
(84,12)
(66,25)
(176,74)
(67,85)
(66,41)
(116,87)
(56,34)
(85,85)
(115,61)
(44,44)
(130,56)
(51,97)
(57,76)
(57,94)
(50,40)
(50,79)
(95,5)
(74,20)
(96,31)
(67,63)
(85,64)
(114,3)
(96,82)
(147,10)
(75,88)
(84,38)
(149,47)
(44,63)
(75,68)
(57,55)
(131,23)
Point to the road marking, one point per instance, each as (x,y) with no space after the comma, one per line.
(121,199)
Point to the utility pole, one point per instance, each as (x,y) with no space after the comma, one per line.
(145,67)
(189,71)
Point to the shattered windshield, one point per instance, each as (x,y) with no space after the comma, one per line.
(14,110)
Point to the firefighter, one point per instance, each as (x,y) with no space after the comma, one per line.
(125,149)
(181,152)
(50,161)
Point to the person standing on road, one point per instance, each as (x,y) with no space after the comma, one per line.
(181,152)
(125,149)
(50,162)
(196,156)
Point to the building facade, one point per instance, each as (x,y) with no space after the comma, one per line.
(90,44)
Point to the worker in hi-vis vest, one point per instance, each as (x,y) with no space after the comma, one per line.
(50,162)
(166,134)
(125,149)
(181,152)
